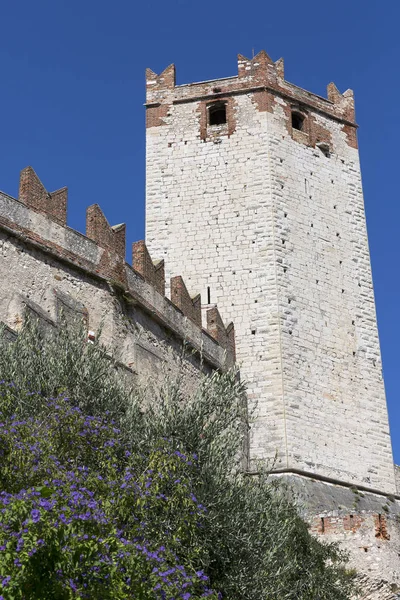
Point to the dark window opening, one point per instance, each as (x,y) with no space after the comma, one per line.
(298,121)
(217,114)
(208,296)
(322,525)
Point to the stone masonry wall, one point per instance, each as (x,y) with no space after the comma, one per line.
(268,222)
(46,266)
(366,525)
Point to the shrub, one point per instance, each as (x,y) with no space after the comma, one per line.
(124,527)
(251,542)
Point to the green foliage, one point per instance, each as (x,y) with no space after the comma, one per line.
(124,527)
(251,543)
(44,366)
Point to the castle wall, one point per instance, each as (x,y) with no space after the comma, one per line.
(366,525)
(46,267)
(268,222)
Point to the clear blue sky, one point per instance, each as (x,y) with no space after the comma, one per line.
(72,96)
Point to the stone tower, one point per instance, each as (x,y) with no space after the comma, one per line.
(254,195)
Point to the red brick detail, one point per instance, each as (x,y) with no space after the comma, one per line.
(280,68)
(381,531)
(351,134)
(155,114)
(151,272)
(344,102)
(352,522)
(335,525)
(349,523)
(264,101)
(231,343)
(225,336)
(33,193)
(230,117)
(202,111)
(111,239)
(166,79)
(333,93)
(318,133)
(313,132)
(258,68)
(190,307)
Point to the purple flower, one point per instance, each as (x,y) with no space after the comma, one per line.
(35,514)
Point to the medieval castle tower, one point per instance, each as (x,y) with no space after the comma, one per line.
(254,199)
(254,194)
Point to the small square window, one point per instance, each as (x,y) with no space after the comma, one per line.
(217,114)
(298,121)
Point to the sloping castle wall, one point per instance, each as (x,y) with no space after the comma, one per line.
(46,267)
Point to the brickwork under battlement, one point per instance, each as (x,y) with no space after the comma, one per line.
(264,80)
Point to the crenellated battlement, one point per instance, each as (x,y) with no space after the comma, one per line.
(255,75)
(34,195)
(38,218)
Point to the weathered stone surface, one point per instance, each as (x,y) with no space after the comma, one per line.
(267,220)
(48,269)
(366,525)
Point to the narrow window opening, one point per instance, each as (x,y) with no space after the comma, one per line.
(253,332)
(298,121)
(217,114)
(208,295)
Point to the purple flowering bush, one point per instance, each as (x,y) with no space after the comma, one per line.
(124,527)
(111,490)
